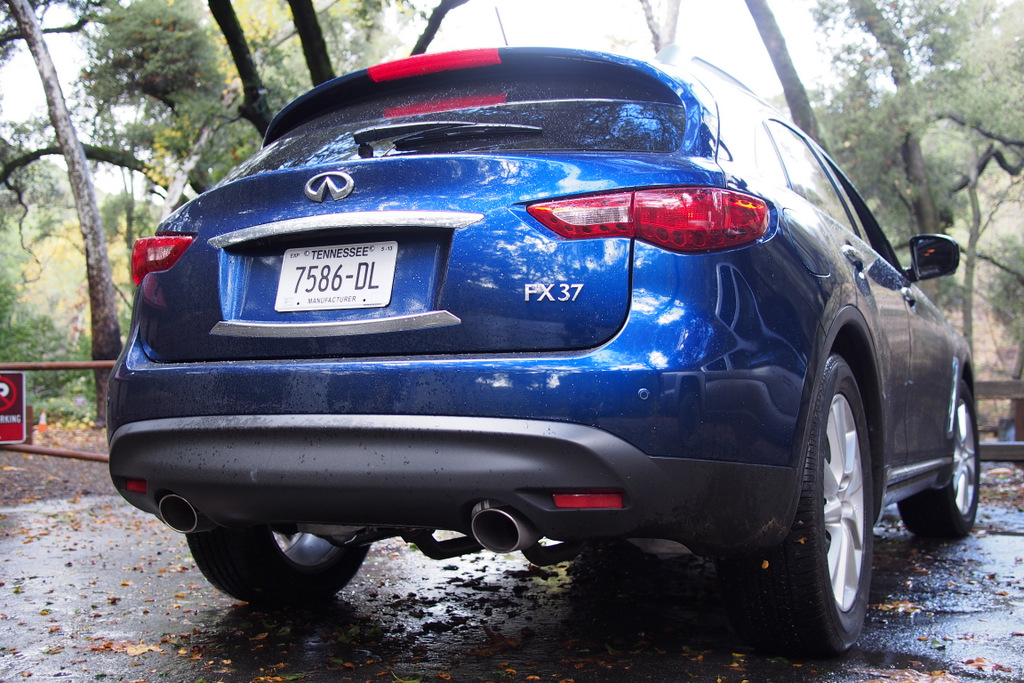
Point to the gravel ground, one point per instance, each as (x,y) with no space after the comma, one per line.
(27,477)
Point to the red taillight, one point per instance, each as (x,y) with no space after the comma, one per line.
(608,215)
(588,500)
(135,485)
(446,104)
(686,219)
(420,65)
(151,254)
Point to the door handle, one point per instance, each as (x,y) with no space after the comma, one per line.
(908,296)
(854,257)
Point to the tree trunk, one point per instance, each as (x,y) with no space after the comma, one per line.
(793,88)
(254,106)
(663,33)
(1018,365)
(925,211)
(434,23)
(127,183)
(970,262)
(179,180)
(312,37)
(896,50)
(106,331)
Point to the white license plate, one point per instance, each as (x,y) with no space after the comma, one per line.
(337,277)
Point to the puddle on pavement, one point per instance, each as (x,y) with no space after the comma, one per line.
(95,590)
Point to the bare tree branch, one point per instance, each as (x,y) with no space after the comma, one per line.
(793,88)
(15,34)
(105,328)
(652,25)
(1015,274)
(1009,142)
(991,154)
(93,153)
(312,38)
(434,23)
(254,107)
(898,55)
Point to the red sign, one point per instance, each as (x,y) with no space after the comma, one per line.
(12,407)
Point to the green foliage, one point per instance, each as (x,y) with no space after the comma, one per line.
(985,89)
(857,124)
(1007,290)
(152,48)
(41,187)
(10,39)
(25,335)
(158,76)
(154,80)
(962,61)
(927,32)
(73,407)
(28,335)
(42,295)
(356,35)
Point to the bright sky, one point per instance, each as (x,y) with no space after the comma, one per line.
(21,92)
(720,32)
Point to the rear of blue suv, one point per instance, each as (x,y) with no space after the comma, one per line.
(518,294)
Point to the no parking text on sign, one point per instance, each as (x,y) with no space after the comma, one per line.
(12,407)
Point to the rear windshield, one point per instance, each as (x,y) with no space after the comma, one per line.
(579,125)
(577,105)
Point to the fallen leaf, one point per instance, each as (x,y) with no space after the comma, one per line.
(982,664)
(908,676)
(899,606)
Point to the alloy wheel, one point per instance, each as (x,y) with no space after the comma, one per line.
(844,503)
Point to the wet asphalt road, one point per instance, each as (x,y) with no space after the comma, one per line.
(93,590)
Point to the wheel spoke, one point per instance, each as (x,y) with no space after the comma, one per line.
(965,473)
(845,563)
(843,489)
(833,513)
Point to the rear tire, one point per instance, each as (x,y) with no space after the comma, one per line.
(949,512)
(262,567)
(807,597)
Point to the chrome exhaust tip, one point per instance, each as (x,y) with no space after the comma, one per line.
(501,529)
(178,513)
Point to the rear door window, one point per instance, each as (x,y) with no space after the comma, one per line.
(808,177)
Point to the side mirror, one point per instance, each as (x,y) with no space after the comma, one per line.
(932,256)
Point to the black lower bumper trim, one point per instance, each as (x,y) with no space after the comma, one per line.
(429,472)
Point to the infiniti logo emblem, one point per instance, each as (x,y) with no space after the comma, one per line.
(339,184)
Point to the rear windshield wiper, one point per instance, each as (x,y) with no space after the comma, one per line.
(413,136)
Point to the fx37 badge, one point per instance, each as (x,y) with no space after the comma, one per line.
(553,291)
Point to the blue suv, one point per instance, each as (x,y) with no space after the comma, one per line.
(541,297)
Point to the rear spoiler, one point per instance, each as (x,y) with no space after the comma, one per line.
(481,65)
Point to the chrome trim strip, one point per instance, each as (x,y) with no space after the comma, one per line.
(358,219)
(898,474)
(953,397)
(401,323)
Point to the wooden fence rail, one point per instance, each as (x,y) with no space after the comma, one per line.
(1003,451)
(47,366)
(999,388)
(59,365)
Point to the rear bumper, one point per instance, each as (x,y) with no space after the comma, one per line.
(425,471)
